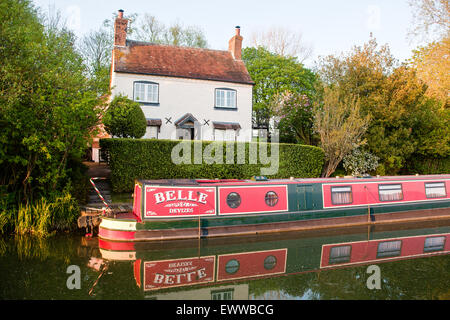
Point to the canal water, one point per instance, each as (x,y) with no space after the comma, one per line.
(395,262)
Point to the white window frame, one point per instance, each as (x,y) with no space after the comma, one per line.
(225,135)
(435,190)
(148,132)
(340,254)
(390,192)
(389,249)
(345,191)
(146,92)
(225,98)
(432,244)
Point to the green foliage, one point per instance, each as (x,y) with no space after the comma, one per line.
(295,114)
(421,165)
(274,74)
(131,159)
(405,122)
(125,118)
(360,162)
(42,217)
(340,126)
(47,107)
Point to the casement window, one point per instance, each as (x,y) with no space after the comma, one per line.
(389,249)
(146,92)
(225,98)
(340,254)
(224,135)
(151,132)
(226,294)
(435,190)
(390,192)
(434,244)
(341,195)
(153,128)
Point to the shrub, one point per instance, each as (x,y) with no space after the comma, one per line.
(131,159)
(360,162)
(125,118)
(42,217)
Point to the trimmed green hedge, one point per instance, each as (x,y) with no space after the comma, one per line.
(131,159)
(422,165)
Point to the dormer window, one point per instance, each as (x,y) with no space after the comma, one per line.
(146,92)
(225,98)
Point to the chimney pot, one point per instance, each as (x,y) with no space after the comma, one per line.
(235,44)
(120,30)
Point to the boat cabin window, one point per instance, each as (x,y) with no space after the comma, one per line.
(232,266)
(233,200)
(270,262)
(340,254)
(341,195)
(390,192)
(435,190)
(389,249)
(271,198)
(434,244)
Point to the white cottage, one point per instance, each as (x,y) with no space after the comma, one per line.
(188,93)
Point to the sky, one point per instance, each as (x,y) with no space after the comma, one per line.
(328,26)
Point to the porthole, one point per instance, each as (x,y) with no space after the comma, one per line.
(233,200)
(232,266)
(270,262)
(271,198)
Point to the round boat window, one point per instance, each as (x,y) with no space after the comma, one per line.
(271,198)
(233,200)
(232,266)
(270,262)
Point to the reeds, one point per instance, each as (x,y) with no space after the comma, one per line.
(42,217)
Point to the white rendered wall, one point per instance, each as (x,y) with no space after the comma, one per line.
(178,96)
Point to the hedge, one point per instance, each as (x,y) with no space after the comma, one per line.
(422,165)
(131,159)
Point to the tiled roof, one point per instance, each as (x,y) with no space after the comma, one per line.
(172,61)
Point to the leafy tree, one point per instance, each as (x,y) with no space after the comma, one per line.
(274,74)
(47,108)
(294,112)
(395,99)
(96,49)
(433,67)
(125,118)
(340,126)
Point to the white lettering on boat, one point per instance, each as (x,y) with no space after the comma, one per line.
(178,278)
(181,195)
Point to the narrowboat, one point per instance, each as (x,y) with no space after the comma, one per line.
(212,266)
(183,209)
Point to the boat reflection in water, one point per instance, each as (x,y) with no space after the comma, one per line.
(223,268)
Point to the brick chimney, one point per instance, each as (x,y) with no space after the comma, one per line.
(120,30)
(235,44)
